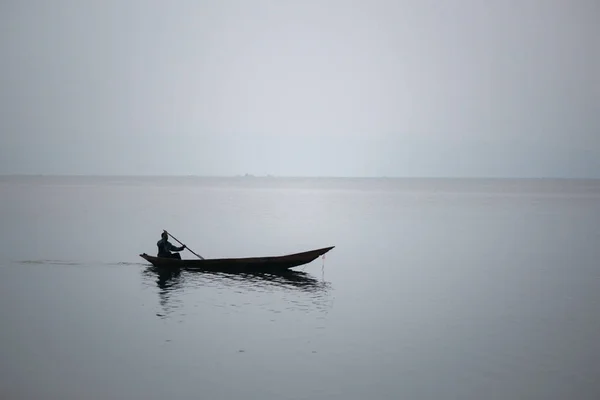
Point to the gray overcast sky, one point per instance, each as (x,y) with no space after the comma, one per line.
(335,88)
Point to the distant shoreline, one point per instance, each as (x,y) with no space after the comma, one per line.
(258,177)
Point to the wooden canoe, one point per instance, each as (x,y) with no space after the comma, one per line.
(251,264)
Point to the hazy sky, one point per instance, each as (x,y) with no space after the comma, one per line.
(336,88)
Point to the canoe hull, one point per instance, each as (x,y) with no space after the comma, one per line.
(252,264)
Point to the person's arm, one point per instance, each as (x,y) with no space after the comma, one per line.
(173,248)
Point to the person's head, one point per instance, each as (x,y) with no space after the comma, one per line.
(164,235)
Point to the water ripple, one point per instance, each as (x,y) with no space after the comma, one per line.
(77,263)
(49,262)
(275,293)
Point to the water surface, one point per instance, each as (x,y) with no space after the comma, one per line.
(453,289)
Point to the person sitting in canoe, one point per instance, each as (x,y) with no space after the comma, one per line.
(165,247)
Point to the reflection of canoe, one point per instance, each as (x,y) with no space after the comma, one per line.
(252,264)
(170,279)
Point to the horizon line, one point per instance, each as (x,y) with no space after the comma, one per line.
(270,176)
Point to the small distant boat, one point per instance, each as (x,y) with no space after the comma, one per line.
(251,264)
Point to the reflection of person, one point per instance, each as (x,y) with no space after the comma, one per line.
(165,247)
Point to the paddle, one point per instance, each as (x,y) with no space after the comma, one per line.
(174,238)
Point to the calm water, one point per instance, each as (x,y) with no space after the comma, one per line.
(437,289)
